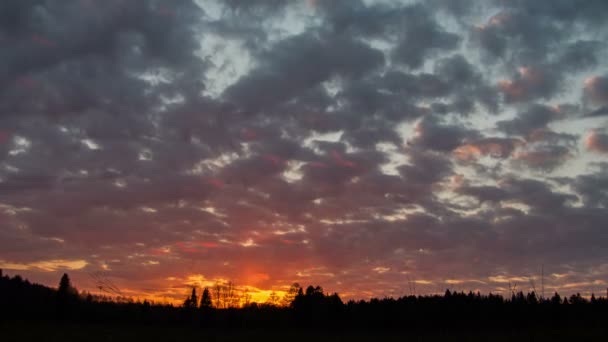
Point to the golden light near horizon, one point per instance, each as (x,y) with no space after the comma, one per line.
(364,146)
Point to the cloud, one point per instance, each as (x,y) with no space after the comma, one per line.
(268,142)
(535,117)
(45,265)
(597,141)
(432,134)
(288,69)
(596,89)
(543,157)
(494,147)
(529,83)
(420,37)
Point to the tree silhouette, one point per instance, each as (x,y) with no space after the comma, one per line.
(65,285)
(206,299)
(291,294)
(67,295)
(192,301)
(312,308)
(273,299)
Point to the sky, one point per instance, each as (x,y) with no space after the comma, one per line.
(375,148)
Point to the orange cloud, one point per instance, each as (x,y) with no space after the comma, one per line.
(528,81)
(493,147)
(45,265)
(511,89)
(597,142)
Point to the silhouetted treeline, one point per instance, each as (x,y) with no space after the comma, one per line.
(308,308)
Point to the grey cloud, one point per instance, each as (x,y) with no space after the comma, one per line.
(421,37)
(110,142)
(431,133)
(288,69)
(592,187)
(597,141)
(413,28)
(596,89)
(544,157)
(527,121)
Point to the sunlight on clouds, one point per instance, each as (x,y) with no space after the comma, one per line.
(213,164)
(381,269)
(394,158)
(249,243)
(45,265)
(91,144)
(228,63)
(463,281)
(504,279)
(311,141)
(582,284)
(293,172)
(179,288)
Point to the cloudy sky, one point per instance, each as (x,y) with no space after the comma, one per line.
(373,147)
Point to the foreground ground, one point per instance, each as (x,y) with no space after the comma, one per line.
(26,331)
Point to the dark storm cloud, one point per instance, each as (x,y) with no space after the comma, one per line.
(352,137)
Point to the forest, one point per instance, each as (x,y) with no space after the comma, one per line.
(309,310)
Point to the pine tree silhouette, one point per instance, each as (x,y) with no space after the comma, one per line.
(206,299)
(67,295)
(192,301)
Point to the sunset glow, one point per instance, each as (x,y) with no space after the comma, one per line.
(374,148)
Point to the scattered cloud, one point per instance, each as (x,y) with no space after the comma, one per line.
(447,142)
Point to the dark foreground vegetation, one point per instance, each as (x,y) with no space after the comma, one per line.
(32,312)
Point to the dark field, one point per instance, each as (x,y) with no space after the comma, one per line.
(24,331)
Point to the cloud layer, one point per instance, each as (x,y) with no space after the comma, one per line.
(361,145)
